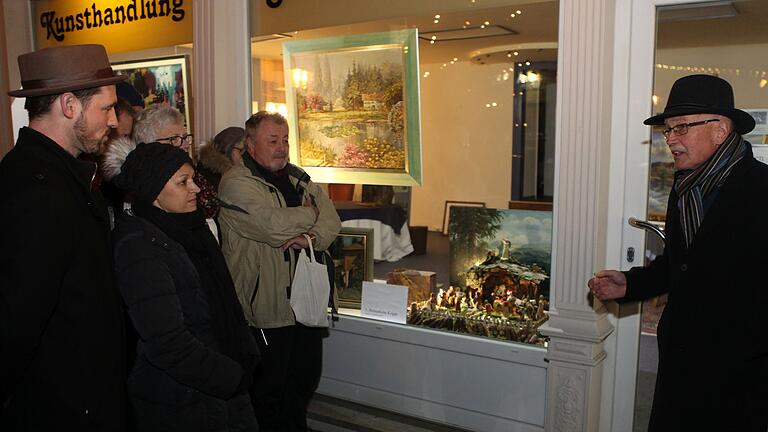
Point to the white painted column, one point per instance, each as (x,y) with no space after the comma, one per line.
(578,329)
(220,66)
(6,123)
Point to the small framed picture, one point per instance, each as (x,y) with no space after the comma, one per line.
(162,80)
(352,253)
(761,121)
(447,211)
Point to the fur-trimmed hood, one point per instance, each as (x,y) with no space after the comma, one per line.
(214,160)
(115,156)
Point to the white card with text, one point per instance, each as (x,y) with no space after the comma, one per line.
(384,302)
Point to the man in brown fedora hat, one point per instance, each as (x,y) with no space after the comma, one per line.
(712,338)
(62,353)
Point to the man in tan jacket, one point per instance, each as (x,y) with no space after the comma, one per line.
(267,206)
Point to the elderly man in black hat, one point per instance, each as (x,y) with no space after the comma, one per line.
(713,343)
(62,349)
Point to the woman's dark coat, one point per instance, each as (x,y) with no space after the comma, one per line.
(713,334)
(62,349)
(180,380)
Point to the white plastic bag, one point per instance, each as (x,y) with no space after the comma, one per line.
(310,290)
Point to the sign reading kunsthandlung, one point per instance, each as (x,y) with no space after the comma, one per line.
(118,24)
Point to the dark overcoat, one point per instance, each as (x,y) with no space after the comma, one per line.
(180,380)
(713,333)
(62,349)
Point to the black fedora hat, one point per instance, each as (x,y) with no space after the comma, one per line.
(56,70)
(703,94)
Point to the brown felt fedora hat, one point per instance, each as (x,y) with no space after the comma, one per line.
(61,69)
(703,94)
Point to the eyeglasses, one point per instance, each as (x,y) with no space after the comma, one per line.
(177,140)
(682,129)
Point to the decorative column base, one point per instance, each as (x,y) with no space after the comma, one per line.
(574,375)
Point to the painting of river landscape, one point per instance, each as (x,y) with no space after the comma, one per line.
(349,102)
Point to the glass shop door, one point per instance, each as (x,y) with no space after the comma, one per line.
(728,39)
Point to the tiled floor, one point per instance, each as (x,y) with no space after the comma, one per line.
(326,414)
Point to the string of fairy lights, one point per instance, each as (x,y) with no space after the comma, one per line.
(468,24)
(760,75)
(505,74)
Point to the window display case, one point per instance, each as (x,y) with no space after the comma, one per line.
(497,280)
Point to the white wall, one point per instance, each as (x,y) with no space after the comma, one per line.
(466,147)
(18,36)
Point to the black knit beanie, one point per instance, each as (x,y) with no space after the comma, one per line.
(148,168)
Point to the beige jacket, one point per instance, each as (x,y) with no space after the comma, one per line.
(254,224)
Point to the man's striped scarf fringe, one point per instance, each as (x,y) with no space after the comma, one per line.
(693,186)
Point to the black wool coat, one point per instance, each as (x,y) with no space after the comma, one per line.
(62,349)
(713,333)
(180,380)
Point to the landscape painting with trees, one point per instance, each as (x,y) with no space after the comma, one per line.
(519,241)
(350,104)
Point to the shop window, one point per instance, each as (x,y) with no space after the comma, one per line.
(489,274)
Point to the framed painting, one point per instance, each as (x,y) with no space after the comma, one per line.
(352,253)
(162,80)
(451,204)
(485,236)
(353,108)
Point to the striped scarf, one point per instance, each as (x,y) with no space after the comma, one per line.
(693,186)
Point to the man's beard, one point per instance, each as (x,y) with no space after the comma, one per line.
(88,145)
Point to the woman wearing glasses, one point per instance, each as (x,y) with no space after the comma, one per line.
(162,124)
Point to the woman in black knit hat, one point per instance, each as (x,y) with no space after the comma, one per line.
(195,354)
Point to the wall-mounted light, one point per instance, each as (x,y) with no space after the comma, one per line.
(276,107)
(300,78)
